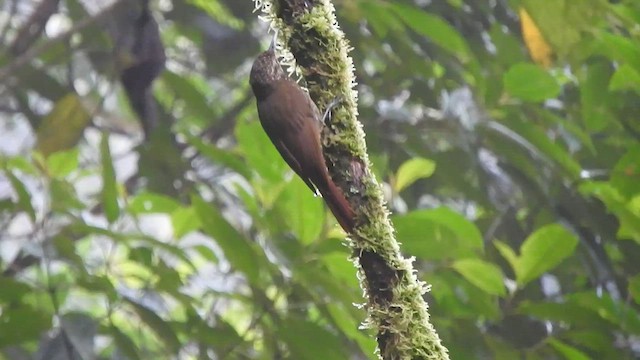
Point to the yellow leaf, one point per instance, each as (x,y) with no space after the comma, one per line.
(539,49)
(62,128)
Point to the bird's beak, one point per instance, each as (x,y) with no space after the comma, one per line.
(272,47)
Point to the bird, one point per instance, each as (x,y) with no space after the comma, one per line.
(293,123)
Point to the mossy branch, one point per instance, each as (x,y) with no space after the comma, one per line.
(313,46)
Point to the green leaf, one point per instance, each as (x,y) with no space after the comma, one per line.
(124,343)
(161,328)
(190,91)
(529,82)
(619,48)
(24,198)
(597,340)
(438,234)
(634,288)
(62,163)
(318,281)
(548,148)
(21,163)
(170,280)
(507,253)
(574,129)
(411,171)
(618,205)
(341,269)
(310,341)
(63,127)
(12,290)
(184,221)
(625,174)
(302,212)
(222,336)
(569,352)
(66,249)
(82,229)
(459,298)
(347,323)
(617,312)
(569,312)
(627,11)
(482,274)
(508,47)
(379,18)
(543,250)
(98,284)
(218,11)
(207,253)
(237,248)
(433,27)
(564,22)
(109,187)
(26,323)
(261,155)
(63,196)
(593,99)
(221,156)
(625,78)
(145,203)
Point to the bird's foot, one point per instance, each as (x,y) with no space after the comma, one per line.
(332,105)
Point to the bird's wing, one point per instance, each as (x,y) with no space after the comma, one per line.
(294,164)
(294,129)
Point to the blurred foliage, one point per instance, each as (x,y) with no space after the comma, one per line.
(510,149)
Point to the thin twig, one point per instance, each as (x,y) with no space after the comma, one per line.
(35,51)
(34,26)
(5,28)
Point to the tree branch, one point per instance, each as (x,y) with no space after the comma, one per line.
(34,26)
(25,58)
(318,51)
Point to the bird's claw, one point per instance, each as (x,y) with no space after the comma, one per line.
(332,105)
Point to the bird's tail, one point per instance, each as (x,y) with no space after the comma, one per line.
(338,204)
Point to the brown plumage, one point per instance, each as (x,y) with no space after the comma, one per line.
(293,123)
